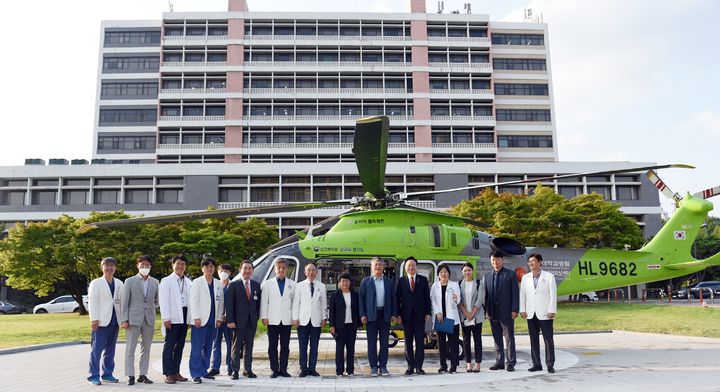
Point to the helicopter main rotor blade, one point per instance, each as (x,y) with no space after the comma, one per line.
(249,211)
(318,227)
(708,193)
(370,146)
(404,196)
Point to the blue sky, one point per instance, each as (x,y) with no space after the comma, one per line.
(633,80)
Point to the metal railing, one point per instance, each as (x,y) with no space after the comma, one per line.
(459,91)
(326,64)
(313,117)
(461,118)
(193,90)
(185,146)
(483,66)
(191,118)
(327,37)
(463,145)
(194,63)
(176,38)
(340,90)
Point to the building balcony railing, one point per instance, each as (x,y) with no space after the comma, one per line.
(427,204)
(482,40)
(191,118)
(283,90)
(328,117)
(460,91)
(180,38)
(482,66)
(193,91)
(327,37)
(463,145)
(187,146)
(194,63)
(316,145)
(462,118)
(326,64)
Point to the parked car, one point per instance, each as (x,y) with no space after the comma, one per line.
(61,304)
(694,290)
(588,296)
(11,308)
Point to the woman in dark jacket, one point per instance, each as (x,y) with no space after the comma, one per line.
(344,322)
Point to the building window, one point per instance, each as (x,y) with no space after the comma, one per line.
(43,198)
(525,141)
(128,89)
(128,116)
(74,197)
(138,64)
(523,115)
(604,191)
(520,64)
(264,194)
(12,198)
(137,196)
(521,89)
(626,192)
(570,191)
(232,195)
(126,143)
(296,194)
(518,39)
(106,196)
(169,196)
(132,38)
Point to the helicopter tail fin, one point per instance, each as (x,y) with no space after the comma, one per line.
(675,239)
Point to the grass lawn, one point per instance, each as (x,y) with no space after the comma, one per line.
(29,329)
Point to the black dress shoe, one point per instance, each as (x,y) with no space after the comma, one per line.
(442,370)
(197,380)
(303,373)
(314,373)
(453,370)
(420,371)
(144,380)
(497,366)
(249,374)
(284,373)
(409,371)
(510,368)
(234,376)
(131,380)
(274,374)
(214,372)
(230,373)
(535,369)
(208,377)
(551,369)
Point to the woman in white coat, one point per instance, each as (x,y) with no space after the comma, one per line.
(445,298)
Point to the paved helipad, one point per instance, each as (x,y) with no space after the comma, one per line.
(585,362)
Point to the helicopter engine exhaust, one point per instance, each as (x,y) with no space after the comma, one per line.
(507,246)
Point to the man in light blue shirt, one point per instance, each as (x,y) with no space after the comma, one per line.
(377,311)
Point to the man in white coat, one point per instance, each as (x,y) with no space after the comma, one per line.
(104,309)
(538,305)
(309,315)
(139,301)
(276,314)
(174,296)
(206,309)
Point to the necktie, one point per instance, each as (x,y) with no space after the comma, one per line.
(412,284)
(247,289)
(312,289)
(495,293)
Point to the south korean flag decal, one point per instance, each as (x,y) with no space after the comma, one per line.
(679,235)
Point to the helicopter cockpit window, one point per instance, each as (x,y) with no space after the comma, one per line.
(412,229)
(292,267)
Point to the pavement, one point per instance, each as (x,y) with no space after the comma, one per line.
(584,362)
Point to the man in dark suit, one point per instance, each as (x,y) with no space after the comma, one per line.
(502,303)
(242,308)
(413,305)
(377,311)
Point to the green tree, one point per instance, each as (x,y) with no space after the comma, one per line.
(548,219)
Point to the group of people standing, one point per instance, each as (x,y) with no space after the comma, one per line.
(217,309)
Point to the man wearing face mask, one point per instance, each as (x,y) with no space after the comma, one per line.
(139,301)
(224,273)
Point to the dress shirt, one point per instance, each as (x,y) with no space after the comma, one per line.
(535,279)
(144,282)
(348,309)
(184,291)
(281,285)
(379,292)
